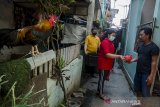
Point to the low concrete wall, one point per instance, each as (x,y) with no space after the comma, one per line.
(42,65)
(55,93)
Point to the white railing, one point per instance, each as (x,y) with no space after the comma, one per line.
(70,53)
(44,62)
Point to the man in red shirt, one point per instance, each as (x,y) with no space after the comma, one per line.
(106,58)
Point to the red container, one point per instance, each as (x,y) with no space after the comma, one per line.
(128,58)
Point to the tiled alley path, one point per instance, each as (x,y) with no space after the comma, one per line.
(117,89)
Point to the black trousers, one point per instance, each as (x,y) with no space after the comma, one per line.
(90,63)
(90,70)
(102,77)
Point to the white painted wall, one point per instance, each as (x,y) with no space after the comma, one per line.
(55,94)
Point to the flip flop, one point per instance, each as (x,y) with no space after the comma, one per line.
(103,97)
(108,101)
(136,104)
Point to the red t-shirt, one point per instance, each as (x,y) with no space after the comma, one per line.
(105,63)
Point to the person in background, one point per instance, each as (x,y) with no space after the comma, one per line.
(91,46)
(103,34)
(106,58)
(147,61)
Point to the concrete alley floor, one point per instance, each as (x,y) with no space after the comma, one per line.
(117,89)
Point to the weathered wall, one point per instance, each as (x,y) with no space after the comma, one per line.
(134,21)
(6,14)
(148,11)
(55,94)
(156,36)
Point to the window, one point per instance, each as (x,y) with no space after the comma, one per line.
(24,16)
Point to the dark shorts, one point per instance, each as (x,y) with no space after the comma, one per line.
(140,84)
(91,60)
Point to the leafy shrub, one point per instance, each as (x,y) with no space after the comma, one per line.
(16,70)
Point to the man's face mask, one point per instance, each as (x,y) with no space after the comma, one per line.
(111,38)
(94,32)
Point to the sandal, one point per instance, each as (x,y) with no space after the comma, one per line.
(103,97)
(136,104)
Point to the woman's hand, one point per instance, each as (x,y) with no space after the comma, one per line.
(122,58)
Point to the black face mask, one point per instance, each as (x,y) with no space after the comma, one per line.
(94,33)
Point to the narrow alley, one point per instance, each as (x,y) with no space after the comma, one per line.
(117,89)
(55,53)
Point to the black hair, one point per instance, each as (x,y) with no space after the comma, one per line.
(147,31)
(93,29)
(108,32)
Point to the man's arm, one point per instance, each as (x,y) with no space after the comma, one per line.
(85,45)
(85,48)
(135,59)
(154,64)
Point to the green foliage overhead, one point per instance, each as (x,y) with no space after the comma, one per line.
(53,6)
(15,71)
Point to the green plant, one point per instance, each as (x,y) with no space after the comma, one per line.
(61,63)
(2,82)
(10,100)
(15,70)
(61,105)
(53,6)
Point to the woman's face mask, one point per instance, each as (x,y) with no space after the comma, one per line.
(111,37)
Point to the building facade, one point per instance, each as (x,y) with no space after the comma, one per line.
(142,13)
